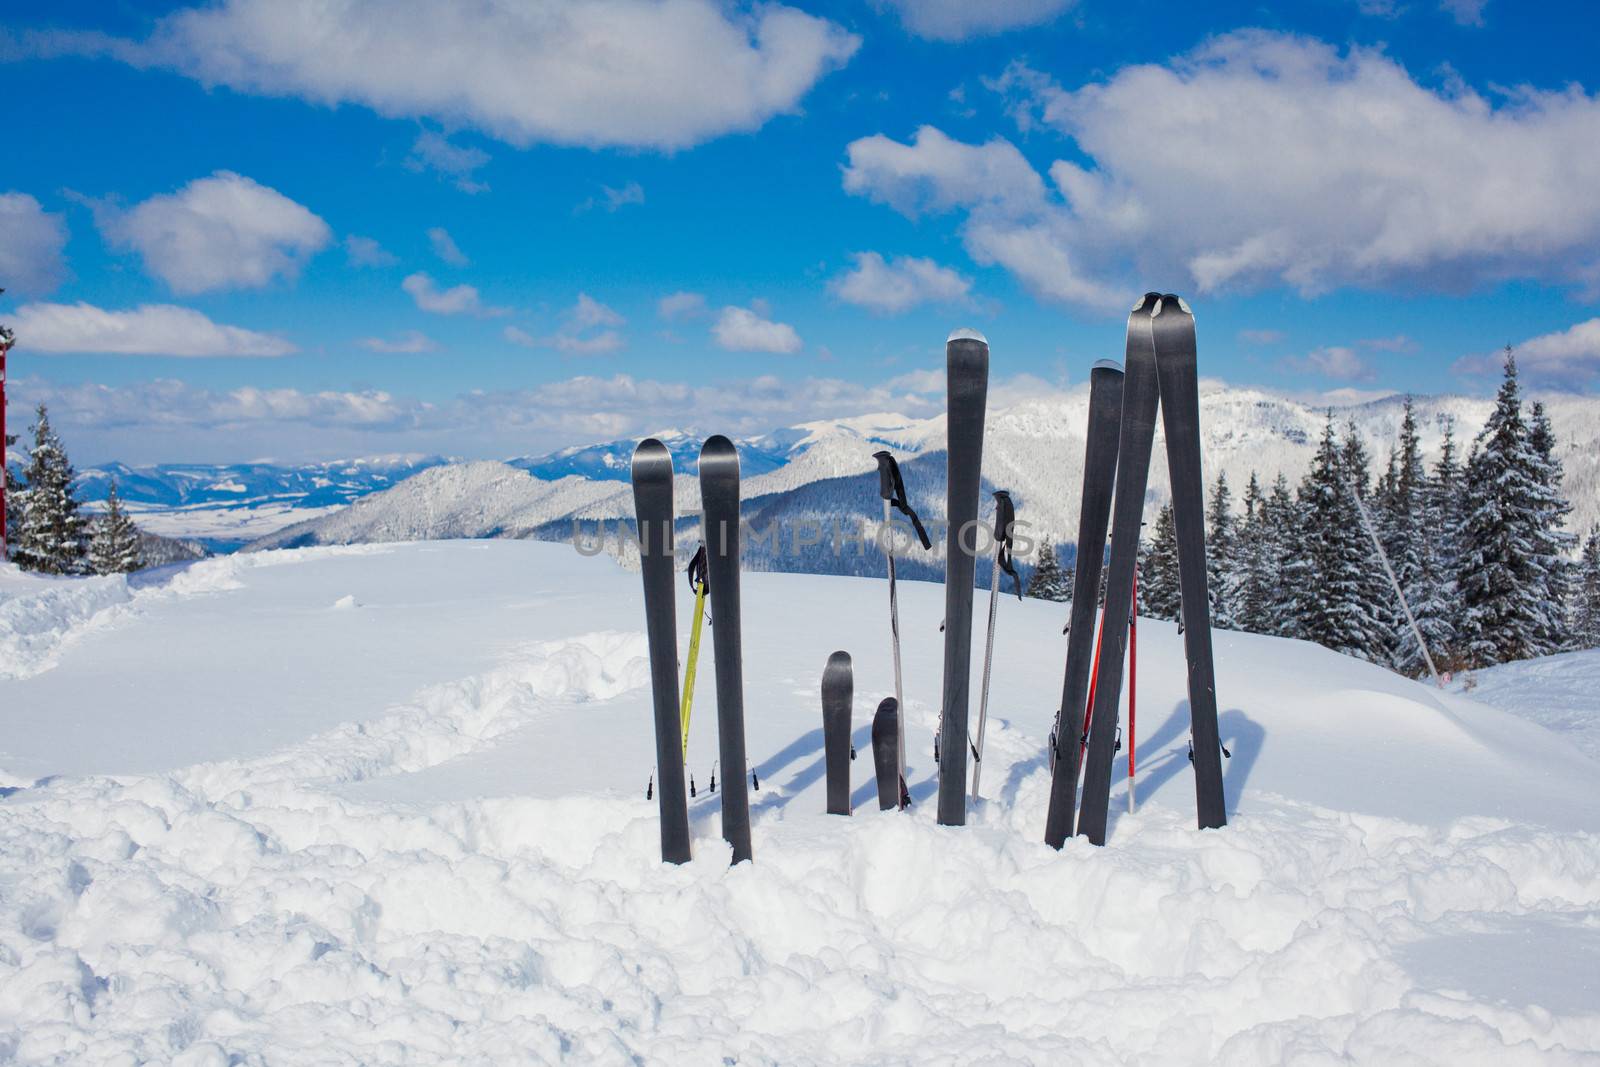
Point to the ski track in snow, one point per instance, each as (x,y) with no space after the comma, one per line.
(39,616)
(243,912)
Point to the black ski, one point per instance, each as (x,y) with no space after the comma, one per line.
(967,385)
(885,756)
(1173,328)
(1099,474)
(838,685)
(652,500)
(1139,398)
(719,501)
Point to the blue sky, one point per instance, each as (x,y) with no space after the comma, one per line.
(243,230)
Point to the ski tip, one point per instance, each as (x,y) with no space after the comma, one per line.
(1176,302)
(966,333)
(1106,364)
(650,453)
(718,447)
(840,659)
(1003,494)
(1147,302)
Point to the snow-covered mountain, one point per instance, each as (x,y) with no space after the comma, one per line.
(173,485)
(823,473)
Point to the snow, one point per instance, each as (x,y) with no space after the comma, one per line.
(386,805)
(1560,693)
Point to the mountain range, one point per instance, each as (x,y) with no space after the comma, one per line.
(819,478)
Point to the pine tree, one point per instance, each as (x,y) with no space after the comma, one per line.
(1221,548)
(1376,595)
(1159,596)
(1335,603)
(114,547)
(1502,583)
(1552,543)
(14,498)
(1404,508)
(50,535)
(1256,570)
(1287,566)
(1048,581)
(1586,614)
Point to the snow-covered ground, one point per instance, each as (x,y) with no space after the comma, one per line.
(1560,693)
(386,805)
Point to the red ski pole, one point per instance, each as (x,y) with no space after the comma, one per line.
(1133,679)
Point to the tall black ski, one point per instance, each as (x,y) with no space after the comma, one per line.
(1005,516)
(838,685)
(885,731)
(967,387)
(893,490)
(719,500)
(1139,399)
(652,500)
(1173,328)
(1099,473)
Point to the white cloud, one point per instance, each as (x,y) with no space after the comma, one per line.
(743,330)
(31,246)
(456,300)
(1263,337)
(1565,359)
(1265,159)
(366,252)
(588,328)
(677,306)
(957,20)
(409,341)
(890,287)
(661,74)
(221,232)
(147,330)
(445,247)
(433,151)
(1337,362)
(612,199)
(1465,12)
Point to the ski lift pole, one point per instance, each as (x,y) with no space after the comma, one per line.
(1383,558)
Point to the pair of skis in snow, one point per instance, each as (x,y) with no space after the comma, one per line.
(653,509)
(1159,371)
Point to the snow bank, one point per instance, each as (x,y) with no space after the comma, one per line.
(469,872)
(150,922)
(39,615)
(1560,693)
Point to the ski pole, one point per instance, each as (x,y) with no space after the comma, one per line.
(1133,678)
(697,582)
(1004,517)
(893,490)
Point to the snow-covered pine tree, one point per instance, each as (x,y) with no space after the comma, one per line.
(1159,597)
(50,535)
(1286,561)
(1048,581)
(1255,569)
(1221,551)
(1502,585)
(1376,594)
(114,545)
(1552,543)
(1404,507)
(1586,601)
(13,496)
(1334,606)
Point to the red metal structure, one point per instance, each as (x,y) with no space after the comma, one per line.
(6,341)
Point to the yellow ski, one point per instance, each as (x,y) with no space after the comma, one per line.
(697,582)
